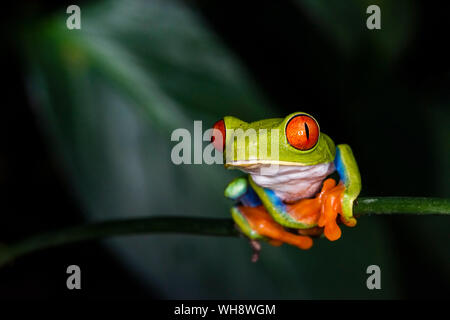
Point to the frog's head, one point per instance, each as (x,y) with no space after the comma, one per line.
(292,141)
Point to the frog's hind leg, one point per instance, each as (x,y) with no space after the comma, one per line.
(256,223)
(253,219)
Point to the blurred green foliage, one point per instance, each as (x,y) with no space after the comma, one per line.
(110,94)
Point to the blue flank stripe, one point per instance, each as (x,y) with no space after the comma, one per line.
(340,166)
(275,200)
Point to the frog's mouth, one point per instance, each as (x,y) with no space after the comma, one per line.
(251,164)
(270,167)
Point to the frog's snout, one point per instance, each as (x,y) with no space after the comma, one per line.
(218,135)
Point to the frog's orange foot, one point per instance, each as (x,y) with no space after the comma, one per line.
(261,222)
(321,210)
(331,196)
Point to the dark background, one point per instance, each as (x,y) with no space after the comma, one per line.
(384,92)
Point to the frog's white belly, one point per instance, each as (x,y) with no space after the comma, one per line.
(292,183)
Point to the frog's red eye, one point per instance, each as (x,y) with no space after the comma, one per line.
(218,135)
(302,132)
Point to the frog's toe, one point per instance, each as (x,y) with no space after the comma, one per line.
(256,246)
(256,223)
(236,188)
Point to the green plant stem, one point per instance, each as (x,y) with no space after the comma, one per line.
(202,226)
(402,205)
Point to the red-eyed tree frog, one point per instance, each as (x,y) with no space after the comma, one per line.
(298,200)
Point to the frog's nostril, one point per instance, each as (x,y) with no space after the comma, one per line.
(218,136)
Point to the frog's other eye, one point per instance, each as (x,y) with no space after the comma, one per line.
(218,135)
(302,132)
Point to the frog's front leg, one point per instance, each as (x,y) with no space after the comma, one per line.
(347,168)
(254,220)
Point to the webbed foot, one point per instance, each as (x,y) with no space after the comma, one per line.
(323,209)
(331,196)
